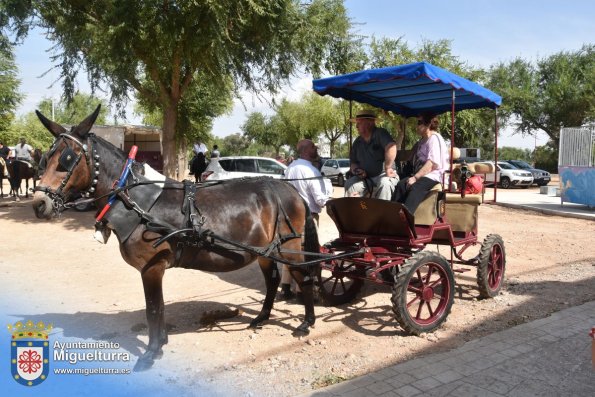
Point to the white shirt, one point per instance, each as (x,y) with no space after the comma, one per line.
(200,148)
(314,191)
(23,152)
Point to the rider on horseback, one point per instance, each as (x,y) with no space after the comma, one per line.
(23,153)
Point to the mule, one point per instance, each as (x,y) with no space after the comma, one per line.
(256,213)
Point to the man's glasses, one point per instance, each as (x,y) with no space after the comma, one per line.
(420,122)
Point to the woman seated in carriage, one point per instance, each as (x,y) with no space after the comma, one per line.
(430,161)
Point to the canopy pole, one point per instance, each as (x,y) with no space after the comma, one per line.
(350,125)
(495,152)
(452,140)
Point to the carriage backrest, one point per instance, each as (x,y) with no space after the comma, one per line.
(369,216)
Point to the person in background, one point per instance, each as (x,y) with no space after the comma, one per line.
(199,147)
(4,152)
(312,187)
(430,160)
(215,152)
(372,159)
(198,164)
(23,151)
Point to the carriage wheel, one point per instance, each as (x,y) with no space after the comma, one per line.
(492,263)
(423,292)
(341,284)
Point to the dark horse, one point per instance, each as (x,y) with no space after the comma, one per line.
(255,213)
(198,165)
(21,169)
(2,170)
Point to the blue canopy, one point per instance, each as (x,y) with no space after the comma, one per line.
(409,89)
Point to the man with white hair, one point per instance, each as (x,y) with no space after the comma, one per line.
(311,186)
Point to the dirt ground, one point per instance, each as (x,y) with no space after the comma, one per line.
(87,287)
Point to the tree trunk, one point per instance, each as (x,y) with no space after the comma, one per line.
(168,143)
(182,159)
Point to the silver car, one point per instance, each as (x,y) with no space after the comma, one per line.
(336,170)
(509,176)
(231,167)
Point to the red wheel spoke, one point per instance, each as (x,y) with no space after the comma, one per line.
(342,280)
(419,277)
(430,308)
(412,301)
(435,283)
(334,286)
(429,275)
(411,288)
(421,305)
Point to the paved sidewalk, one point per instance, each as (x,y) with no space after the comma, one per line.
(546,357)
(533,200)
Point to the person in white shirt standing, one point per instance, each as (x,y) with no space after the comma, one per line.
(311,186)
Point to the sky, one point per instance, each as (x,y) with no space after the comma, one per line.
(482,33)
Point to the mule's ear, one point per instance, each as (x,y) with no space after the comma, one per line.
(53,127)
(85,126)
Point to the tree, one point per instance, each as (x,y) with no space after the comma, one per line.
(157,48)
(234,145)
(267,131)
(513,153)
(473,127)
(327,116)
(10,98)
(556,92)
(72,112)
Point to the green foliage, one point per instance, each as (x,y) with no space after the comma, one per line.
(10,98)
(28,126)
(71,113)
(158,49)
(511,153)
(556,92)
(546,158)
(206,99)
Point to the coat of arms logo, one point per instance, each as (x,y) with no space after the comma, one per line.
(29,352)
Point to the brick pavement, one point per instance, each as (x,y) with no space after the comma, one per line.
(545,357)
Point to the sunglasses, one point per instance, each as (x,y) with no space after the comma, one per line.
(420,122)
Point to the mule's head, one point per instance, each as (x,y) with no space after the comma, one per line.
(68,168)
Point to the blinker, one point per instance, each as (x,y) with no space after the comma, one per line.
(67,159)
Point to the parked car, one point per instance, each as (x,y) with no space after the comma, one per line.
(242,166)
(336,170)
(508,175)
(540,177)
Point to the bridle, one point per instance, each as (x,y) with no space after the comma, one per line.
(68,160)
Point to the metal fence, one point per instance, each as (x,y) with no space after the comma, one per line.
(577,147)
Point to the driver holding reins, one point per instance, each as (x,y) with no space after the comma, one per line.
(372,159)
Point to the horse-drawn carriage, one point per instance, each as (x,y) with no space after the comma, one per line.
(391,240)
(225,225)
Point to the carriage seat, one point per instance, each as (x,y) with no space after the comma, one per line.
(427,212)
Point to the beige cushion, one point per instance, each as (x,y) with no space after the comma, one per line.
(469,198)
(481,168)
(426,213)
